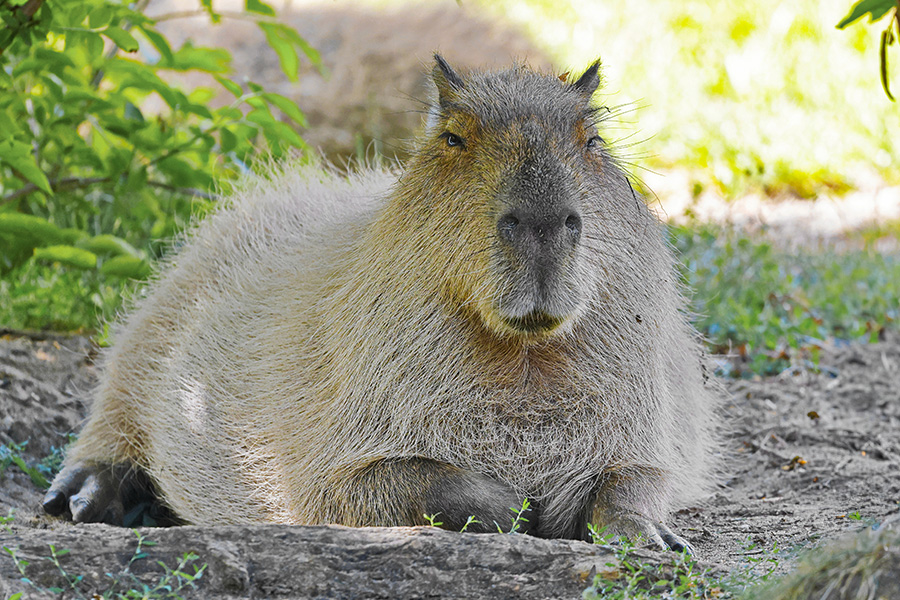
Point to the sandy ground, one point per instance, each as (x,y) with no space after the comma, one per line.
(826,219)
(809,455)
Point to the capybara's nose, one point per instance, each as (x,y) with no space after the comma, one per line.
(523,230)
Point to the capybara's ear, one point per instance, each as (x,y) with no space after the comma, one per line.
(447,80)
(588,83)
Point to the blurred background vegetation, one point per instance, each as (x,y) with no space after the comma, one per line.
(122,122)
(762,95)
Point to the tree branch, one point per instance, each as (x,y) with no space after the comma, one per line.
(28,9)
(185,191)
(82,182)
(55,185)
(228,14)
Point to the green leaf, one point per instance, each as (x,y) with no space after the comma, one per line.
(67,255)
(7,124)
(280,42)
(36,477)
(227,141)
(126,266)
(159,42)
(211,60)
(18,155)
(133,113)
(108,244)
(70,235)
(259,7)
(295,38)
(887,38)
(40,231)
(182,174)
(131,73)
(43,60)
(876,8)
(275,129)
(231,86)
(121,38)
(100,16)
(288,107)
(213,15)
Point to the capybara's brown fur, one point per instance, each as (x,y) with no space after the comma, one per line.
(501,321)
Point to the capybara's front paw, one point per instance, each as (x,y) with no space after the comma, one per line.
(89,492)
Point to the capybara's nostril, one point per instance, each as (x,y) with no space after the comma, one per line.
(507,226)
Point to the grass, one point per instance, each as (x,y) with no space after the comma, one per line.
(860,565)
(47,297)
(773,308)
(40,474)
(630,578)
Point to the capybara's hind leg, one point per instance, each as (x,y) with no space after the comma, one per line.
(95,492)
(403,491)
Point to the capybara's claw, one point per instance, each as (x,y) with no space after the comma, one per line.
(673,541)
(54,502)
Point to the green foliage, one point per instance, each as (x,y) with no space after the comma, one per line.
(38,296)
(773,307)
(42,473)
(470,520)
(12,455)
(171,584)
(100,155)
(630,578)
(876,9)
(735,99)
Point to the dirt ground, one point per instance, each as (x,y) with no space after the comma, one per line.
(809,454)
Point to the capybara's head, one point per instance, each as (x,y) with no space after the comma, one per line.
(499,193)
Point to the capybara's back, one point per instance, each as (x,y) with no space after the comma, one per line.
(500,321)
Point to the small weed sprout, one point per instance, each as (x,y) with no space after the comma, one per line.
(471,520)
(170,585)
(519,520)
(9,518)
(431,520)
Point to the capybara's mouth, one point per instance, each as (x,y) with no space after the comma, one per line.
(534,322)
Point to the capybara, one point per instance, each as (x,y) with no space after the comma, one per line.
(502,320)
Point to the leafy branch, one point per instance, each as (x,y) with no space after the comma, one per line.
(90,177)
(876,9)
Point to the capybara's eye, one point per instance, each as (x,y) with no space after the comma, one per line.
(594,142)
(453,139)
